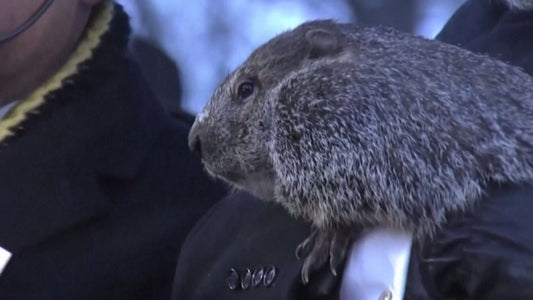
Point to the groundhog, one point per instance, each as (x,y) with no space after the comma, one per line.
(355,127)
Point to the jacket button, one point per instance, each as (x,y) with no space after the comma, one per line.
(270,275)
(246,279)
(233,279)
(257,277)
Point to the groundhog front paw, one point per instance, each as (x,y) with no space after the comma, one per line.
(321,246)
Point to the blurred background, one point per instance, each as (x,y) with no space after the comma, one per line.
(185,48)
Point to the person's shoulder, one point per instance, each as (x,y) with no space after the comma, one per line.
(181,120)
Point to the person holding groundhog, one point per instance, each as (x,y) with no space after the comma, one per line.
(97,186)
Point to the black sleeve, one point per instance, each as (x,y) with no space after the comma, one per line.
(490,28)
(486,254)
(473,19)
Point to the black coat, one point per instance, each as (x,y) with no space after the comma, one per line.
(484,254)
(97,186)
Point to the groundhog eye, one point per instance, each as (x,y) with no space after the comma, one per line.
(245,90)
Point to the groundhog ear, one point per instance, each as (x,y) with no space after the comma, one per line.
(321,42)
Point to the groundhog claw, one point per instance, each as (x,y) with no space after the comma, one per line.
(323,246)
(306,246)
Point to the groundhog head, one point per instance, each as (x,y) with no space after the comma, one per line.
(233,133)
(344,124)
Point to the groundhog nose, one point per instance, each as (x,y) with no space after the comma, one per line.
(195,145)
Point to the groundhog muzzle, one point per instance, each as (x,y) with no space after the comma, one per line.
(356,127)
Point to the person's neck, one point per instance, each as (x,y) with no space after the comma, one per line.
(18,87)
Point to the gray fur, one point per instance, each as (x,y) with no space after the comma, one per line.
(386,129)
